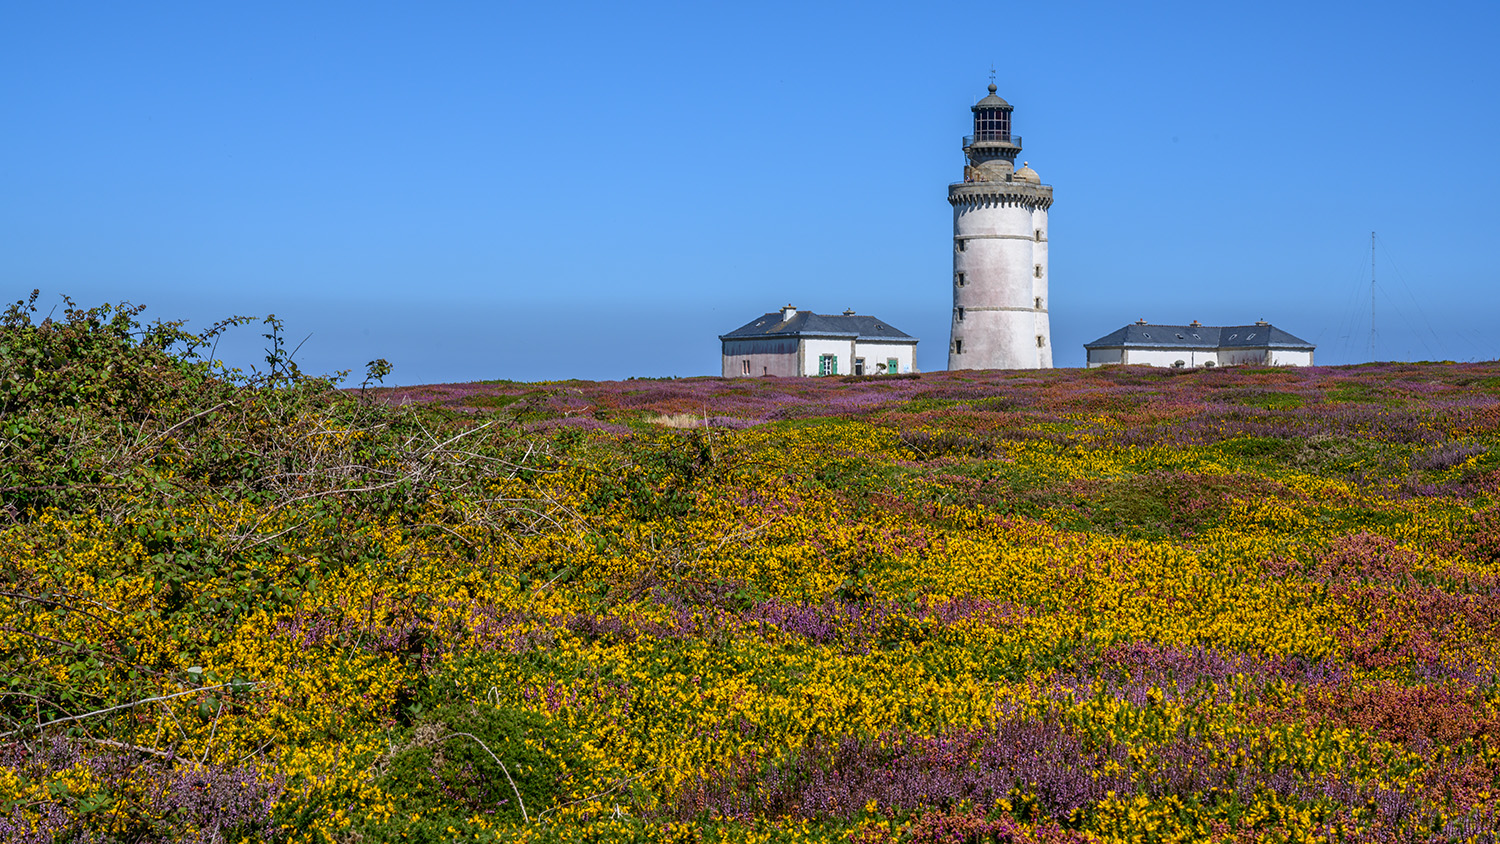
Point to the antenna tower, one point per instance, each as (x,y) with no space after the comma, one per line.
(1372,297)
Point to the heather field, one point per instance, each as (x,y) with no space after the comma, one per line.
(1235,605)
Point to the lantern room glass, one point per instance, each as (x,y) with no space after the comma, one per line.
(992,124)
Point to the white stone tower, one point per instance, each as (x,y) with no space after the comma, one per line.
(999,251)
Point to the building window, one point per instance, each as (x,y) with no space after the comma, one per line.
(1039,303)
(1040,341)
(958,347)
(859,366)
(1038,234)
(958,279)
(961,246)
(745,366)
(1037,270)
(892,366)
(960,313)
(828,364)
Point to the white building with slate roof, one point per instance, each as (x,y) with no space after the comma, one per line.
(1198,345)
(790,342)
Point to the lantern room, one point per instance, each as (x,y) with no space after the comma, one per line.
(992,118)
(992,140)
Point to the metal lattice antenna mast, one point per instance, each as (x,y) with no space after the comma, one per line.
(1372,297)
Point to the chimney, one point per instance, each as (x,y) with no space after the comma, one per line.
(788,312)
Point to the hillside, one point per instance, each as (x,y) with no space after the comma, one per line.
(1239,604)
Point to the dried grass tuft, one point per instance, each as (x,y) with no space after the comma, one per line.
(678,420)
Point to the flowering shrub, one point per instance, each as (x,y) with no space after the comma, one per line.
(1245,604)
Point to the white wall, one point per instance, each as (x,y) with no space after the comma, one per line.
(878,353)
(1039,287)
(1291,357)
(778,356)
(1237,357)
(812,349)
(1199,357)
(999,256)
(1168,357)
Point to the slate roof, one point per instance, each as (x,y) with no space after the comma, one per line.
(1200,337)
(807,324)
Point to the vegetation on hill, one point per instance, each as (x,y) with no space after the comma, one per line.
(1240,605)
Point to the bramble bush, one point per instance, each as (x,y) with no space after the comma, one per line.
(159,503)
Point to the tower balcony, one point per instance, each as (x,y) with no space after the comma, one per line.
(992,138)
(1012,192)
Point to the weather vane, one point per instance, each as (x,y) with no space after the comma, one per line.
(992,73)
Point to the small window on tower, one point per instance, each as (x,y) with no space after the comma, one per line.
(1037,270)
(962,245)
(958,347)
(1039,303)
(1038,234)
(960,314)
(958,279)
(1040,341)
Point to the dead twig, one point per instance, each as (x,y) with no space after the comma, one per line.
(134,748)
(605,793)
(164,434)
(477,740)
(130,705)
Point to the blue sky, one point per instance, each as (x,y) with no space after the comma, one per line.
(536,191)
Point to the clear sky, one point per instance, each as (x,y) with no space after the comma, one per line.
(552,190)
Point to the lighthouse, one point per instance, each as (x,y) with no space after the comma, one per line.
(999,251)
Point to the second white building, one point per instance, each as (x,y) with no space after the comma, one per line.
(1195,345)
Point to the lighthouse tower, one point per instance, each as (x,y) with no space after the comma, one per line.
(999,251)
